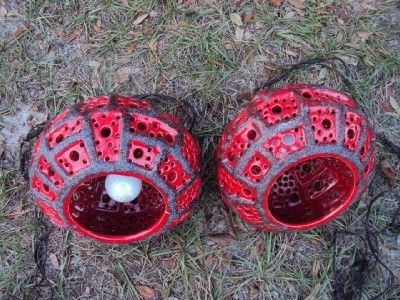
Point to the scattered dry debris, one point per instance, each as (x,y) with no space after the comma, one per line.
(140,19)
(145,291)
(389,171)
(236,19)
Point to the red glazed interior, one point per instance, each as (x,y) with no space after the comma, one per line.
(312,191)
(91,211)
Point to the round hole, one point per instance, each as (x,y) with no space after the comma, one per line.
(105,132)
(74,155)
(255,170)
(277,109)
(252,134)
(307,95)
(137,153)
(142,126)
(350,134)
(326,123)
(318,186)
(362,150)
(294,198)
(307,168)
(59,138)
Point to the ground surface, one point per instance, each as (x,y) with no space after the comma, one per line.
(55,53)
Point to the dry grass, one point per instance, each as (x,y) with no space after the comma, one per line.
(53,54)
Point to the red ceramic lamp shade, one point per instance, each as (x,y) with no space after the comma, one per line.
(295,158)
(84,144)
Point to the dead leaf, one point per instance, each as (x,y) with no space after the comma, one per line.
(3,11)
(130,48)
(276,3)
(87,291)
(290,53)
(316,268)
(363,36)
(394,104)
(73,35)
(124,2)
(58,33)
(389,172)
(20,30)
(169,263)
(248,16)
(236,19)
(209,261)
(154,45)
(140,19)
(386,106)
(122,75)
(299,4)
(148,30)
(12,13)
(368,7)
(145,291)
(183,23)
(192,283)
(239,33)
(97,26)
(54,261)
(222,239)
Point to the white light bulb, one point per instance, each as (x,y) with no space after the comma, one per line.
(123,188)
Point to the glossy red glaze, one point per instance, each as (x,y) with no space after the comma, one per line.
(295,158)
(125,136)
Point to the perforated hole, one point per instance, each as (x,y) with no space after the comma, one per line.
(138,153)
(142,126)
(326,123)
(350,134)
(59,138)
(277,109)
(74,155)
(256,170)
(105,132)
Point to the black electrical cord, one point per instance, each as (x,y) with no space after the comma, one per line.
(25,149)
(366,259)
(322,61)
(43,230)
